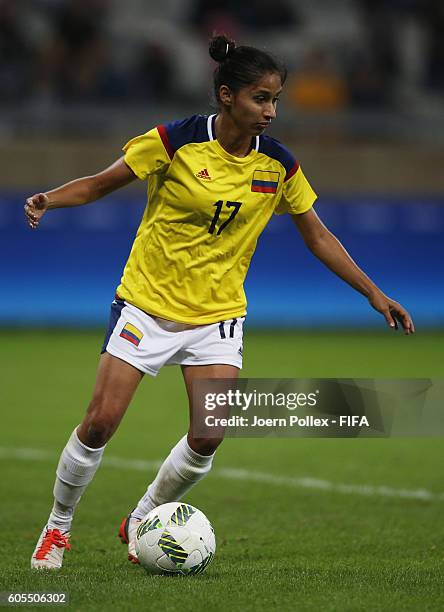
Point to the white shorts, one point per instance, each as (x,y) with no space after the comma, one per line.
(148,342)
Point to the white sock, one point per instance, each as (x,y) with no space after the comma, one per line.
(179,472)
(60,517)
(77,465)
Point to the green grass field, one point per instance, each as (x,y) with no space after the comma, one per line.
(282,544)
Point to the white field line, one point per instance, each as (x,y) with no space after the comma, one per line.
(33,454)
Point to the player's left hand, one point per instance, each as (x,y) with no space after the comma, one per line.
(393,312)
(35,208)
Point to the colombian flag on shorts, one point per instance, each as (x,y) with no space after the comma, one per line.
(265,181)
(132,334)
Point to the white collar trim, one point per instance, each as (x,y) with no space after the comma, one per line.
(210,126)
(211,136)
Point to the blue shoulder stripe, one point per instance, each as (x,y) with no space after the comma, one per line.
(185,131)
(274,149)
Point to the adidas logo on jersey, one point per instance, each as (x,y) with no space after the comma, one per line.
(203,174)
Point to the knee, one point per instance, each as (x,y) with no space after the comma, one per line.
(95,433)
(204,446)
(98,425)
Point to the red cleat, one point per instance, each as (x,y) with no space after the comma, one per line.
(127,535)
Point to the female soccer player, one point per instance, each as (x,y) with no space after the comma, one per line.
(213,184)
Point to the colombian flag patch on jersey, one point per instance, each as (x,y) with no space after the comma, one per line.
(265,181)
(132,334)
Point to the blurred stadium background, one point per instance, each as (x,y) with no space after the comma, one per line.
(363,111)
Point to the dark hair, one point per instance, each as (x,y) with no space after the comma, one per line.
(241,66)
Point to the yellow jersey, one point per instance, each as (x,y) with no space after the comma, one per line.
(206,209)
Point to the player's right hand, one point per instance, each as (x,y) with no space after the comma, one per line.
(35,208)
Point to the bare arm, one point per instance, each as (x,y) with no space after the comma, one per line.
(330,251)
(78,192)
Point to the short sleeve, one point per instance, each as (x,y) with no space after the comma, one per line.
(147,154)
(297,195)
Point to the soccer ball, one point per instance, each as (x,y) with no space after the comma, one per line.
(175,538)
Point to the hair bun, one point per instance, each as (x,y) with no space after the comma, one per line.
(221,47)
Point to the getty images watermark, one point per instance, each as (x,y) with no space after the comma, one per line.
(258,400)
(318,407)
